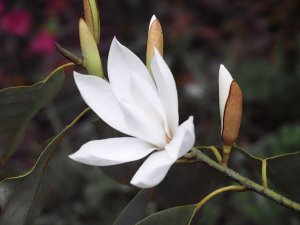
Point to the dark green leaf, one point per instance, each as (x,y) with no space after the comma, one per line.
(282,171)
(122,173)
(20,194)
(135,210)
(186,184)
(176,216)
(18,105)
(246,164)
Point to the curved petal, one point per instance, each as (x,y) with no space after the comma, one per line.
(98,95)
(112,151)
(144,126)
(166,89)
(122,65)
(153,170)
(183,139)
(225,80)
(146,99)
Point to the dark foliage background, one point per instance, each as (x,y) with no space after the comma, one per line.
(258,41)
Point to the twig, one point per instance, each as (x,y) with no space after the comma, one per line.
(251,185)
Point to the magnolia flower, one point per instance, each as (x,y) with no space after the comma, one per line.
(141,106)
(231,106)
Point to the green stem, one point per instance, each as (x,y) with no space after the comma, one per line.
(214,150)
(226,154)
(213,194)
(264,173)
(251,185)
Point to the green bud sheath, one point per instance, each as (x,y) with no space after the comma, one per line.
(91,14)
(155,40)
(90,53)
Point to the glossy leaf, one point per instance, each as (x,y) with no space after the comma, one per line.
(18,105)
(282,171)
(135,210)
(122,173)
(176,216)
(187,184)
(20,194)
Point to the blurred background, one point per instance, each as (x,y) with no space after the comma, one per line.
(258,42)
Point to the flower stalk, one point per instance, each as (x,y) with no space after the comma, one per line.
(226,154)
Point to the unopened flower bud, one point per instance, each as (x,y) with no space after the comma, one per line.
(92,19)
(231,106)
(155,40)
(90,53)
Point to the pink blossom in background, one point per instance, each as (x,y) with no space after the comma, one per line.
(43,43)
(17,22)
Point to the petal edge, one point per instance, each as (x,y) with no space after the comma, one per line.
(112,151)
(153,170)
(183,139)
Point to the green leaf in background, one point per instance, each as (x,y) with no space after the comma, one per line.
(135,210)
(282,171)
(248,77)
(122,173)
(174,216)
(18,105)
(280,141)
(19,195)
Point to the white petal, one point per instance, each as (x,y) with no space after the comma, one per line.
(98,95)
(112,151)
(166,89)
(153,170)
(183,139)
(225,80)
(144,126)
(122,65)
(146,99)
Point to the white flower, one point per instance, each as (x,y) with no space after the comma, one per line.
(139,106)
